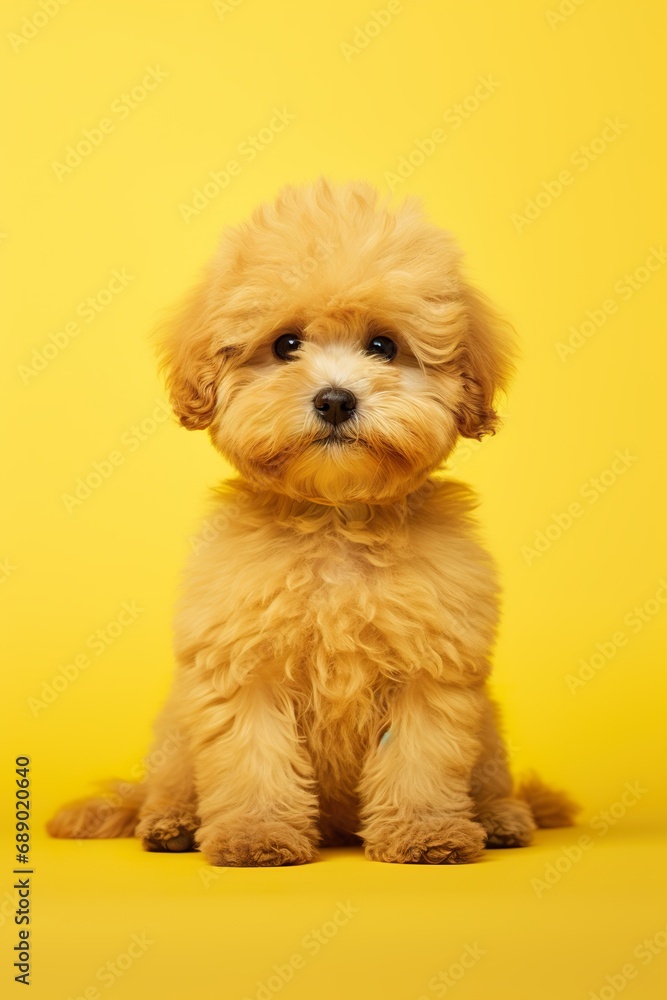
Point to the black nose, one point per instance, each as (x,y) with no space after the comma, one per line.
(335,405)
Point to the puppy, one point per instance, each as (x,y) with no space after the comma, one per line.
(334,634)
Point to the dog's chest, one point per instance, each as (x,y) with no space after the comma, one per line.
(328,589)
(334,613)
(349,611)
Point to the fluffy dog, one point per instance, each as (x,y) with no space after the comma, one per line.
(334,635)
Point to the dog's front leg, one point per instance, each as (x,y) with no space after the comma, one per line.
(255,787)
(416,806)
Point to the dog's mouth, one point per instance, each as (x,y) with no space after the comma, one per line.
(336,438)
(332,441)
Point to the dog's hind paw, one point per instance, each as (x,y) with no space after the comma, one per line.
(172,830)
(508,823)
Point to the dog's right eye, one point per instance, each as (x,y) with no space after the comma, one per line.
(286,346)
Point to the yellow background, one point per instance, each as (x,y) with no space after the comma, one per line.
(557,80)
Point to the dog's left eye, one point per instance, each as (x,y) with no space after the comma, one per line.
(285,346)
(384,347)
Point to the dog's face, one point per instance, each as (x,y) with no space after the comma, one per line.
(334,349)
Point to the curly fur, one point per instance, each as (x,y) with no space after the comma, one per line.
(344,593)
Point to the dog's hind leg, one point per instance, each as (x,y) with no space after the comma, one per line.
(510,814)
(168,817)
(160,808)
(507,820)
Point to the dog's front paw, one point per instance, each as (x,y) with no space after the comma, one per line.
(171,830)
(453,841)
(269,845)
(508,823)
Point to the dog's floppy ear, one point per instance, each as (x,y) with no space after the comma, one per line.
(486,364)
(190,360)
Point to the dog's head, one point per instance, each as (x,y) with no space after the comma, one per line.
(334,349)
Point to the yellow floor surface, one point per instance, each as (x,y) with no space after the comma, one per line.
(582,913)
